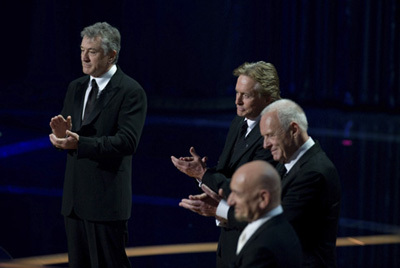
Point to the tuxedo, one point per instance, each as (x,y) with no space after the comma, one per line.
(98,175)
(97,194)
(218,177)
(274,245)
(311,203)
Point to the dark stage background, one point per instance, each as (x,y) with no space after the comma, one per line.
(340,60)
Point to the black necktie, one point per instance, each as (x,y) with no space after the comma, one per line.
(282,171)
(91,101)
(240,144)
(243,130)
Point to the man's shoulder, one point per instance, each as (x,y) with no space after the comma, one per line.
(80,80)
(123,80)
(317,157)
(237,120)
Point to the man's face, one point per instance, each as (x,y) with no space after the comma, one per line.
(244,198)
(94,61)
(248,102)
(278,141)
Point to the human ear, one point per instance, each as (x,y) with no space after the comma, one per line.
(111,56)
(265,198)
(294,129)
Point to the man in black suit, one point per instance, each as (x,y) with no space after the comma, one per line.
(100,126)
(310,184)
(257,86)
(268,240)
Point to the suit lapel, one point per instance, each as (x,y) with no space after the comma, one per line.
(264,226)
(295,169)
(230,143)
(252,138)
(78,104)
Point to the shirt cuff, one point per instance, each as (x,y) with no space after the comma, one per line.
(222,209)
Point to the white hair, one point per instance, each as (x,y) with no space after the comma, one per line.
(288,111)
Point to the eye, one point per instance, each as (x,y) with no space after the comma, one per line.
(269,136)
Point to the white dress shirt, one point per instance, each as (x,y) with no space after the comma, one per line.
(101,83)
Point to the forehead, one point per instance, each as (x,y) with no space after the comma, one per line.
(237,182)
(245,83)
(88,43)
(270,121)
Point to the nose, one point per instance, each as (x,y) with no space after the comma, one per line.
(230,200)
(266,144)
(84,56)
(238,100)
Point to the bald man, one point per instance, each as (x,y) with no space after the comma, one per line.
(268,240)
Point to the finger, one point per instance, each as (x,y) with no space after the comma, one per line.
(175,161)
(221,193)
(186,158)
(187,204)
(198,196)
(55,141)
(61,118)
(69,122)
(51,137)
(193,203)
(210,193)
(193,152)
(207,190)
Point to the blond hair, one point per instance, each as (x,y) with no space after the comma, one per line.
(265,75)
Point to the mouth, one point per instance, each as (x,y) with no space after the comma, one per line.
(273,152)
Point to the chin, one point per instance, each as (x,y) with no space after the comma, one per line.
(241,218)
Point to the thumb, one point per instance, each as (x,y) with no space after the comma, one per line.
(72,134)
(221,193)
(193,152)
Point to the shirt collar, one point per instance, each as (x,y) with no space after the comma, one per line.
(252,227)
(103,80)
(299,153)
(252,123)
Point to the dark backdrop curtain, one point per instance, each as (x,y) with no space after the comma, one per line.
(337,53)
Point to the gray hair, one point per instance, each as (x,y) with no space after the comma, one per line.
(288,111)
(110,37)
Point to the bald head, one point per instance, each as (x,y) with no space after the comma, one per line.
(255,190)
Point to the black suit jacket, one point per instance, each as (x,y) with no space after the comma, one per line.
(97,183)
(311,203)
(220,176)
(274,245)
